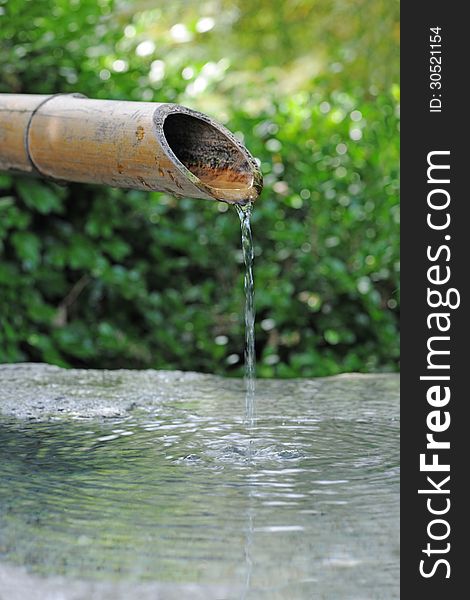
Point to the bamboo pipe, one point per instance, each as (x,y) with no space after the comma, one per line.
(139,145)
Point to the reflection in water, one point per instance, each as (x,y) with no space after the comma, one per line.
(175,494)
(248,549)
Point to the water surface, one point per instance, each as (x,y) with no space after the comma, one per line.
(173,494)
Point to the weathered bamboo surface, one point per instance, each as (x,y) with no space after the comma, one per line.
(139,145)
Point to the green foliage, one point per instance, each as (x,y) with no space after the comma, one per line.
(98,277)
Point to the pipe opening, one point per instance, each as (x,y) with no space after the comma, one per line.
(207,152)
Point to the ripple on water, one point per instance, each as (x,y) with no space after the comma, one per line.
(183,492)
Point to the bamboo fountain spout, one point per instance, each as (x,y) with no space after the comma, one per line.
(139,145)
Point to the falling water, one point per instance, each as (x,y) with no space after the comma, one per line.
(244,212)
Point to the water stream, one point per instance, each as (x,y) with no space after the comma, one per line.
(244,212)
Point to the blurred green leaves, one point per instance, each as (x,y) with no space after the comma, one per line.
(38,196)
(100,277)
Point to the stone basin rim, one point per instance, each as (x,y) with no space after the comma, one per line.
(39,391)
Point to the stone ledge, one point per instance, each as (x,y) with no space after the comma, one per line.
(41,391)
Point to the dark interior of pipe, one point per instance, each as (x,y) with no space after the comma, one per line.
(207,152)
